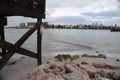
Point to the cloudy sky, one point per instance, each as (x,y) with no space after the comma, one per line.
(77,12)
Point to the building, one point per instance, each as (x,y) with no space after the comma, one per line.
(31,24)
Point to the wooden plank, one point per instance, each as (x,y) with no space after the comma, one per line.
(8,46)
(9,54)
(39,42)
(28,8)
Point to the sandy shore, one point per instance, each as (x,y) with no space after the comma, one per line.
(24,65)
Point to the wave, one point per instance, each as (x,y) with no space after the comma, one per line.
(75,44)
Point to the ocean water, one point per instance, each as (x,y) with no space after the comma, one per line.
(70,41)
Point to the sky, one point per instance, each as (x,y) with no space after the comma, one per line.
(106,12)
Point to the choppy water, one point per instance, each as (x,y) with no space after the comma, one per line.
(71,41)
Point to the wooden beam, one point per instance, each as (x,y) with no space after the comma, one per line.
(2,37)
(3,22)
(39,42)
(42,5)
(10,47)
(28,8)
(0,54)
(9,54)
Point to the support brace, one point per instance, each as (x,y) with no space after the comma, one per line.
(9,54)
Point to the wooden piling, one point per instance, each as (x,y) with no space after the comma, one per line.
(39,42)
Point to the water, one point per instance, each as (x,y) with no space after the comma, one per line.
(71,41)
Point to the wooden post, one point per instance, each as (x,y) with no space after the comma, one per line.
(39,33)
(3,22)
(39,42)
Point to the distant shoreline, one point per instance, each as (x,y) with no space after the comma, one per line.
(57,28)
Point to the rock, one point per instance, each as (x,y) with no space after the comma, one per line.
(102,56)
(72,71)
(107,73)
(46,76)
(105,66)
(74,57)
(75,72)
(98,77)
(83,62)
(46,72)
(66,56)
(37,72)
(72,67)
(75,76)
(90,70)
(102,65)
(95,56)
(61,57)
(51,76)
(58,70)
(97,51)
(84,55)
(116,75)
(117,59)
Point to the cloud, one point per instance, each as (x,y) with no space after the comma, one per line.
(77,11)
(70,20)
(118,3)
(68,3)
(112,13)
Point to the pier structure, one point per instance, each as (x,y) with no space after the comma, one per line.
(26,8)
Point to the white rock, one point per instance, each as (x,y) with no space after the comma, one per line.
(39,73)
(75,76)
(116,75)
(91,70)
(75,72)
(98,77)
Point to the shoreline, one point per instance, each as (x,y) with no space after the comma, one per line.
(24,65)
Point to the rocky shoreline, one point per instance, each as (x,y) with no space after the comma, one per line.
(74,71)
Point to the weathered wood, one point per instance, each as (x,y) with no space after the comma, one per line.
(9,54)
(0,54)
(3,22)
(10,47)
(28,8)
(43,5)
(39,42)
(3,38)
